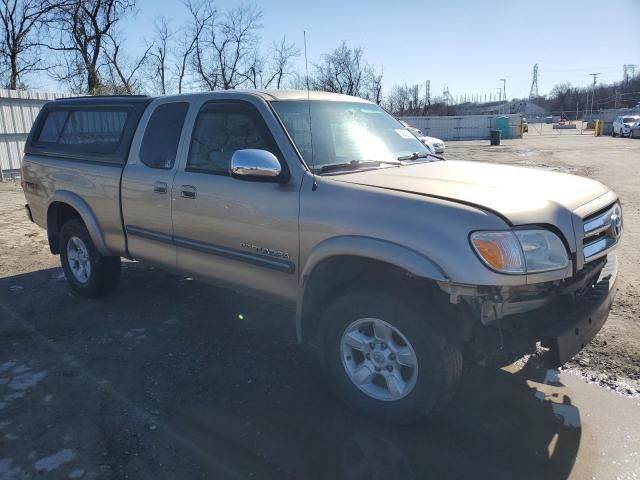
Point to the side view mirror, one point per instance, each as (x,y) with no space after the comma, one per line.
(251,164)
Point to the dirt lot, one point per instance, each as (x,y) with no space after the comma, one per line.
(613,358)
(171,378)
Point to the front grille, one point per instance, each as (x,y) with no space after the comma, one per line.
(602,231)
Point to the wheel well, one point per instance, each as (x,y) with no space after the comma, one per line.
(338,275)
(57,214)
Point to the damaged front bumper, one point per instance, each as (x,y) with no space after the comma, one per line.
(567,329)
(563,316)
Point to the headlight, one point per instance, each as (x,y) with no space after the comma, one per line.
(520,251)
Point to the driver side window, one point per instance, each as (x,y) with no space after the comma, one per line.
(220,130)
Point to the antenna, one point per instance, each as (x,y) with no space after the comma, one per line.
(314,185)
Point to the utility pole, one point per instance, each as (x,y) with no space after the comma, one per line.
(593,94)
(533,93)
(628,72)
(504,88)
(427,92)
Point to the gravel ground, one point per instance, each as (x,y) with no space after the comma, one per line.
(613,357)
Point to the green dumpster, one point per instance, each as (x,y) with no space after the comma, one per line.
(502,124)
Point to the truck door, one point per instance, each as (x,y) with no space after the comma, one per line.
(148,179)
(232,231)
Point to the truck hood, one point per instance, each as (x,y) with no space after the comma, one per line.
(520,195)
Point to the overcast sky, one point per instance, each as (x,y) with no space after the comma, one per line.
(467,45)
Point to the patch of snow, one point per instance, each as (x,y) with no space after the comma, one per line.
(26,380)
(5,464)
(21,369)
(77,473)
(552,377)
(13,396)
(7,366)
(50,463)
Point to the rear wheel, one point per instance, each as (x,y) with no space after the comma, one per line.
(89,273)
(382,357)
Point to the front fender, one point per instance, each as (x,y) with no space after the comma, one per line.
(87,215)
(385,251)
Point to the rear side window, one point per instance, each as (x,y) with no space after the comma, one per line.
(220,130)
(161,137)
(91,130)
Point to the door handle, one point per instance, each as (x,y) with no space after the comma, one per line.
(160,187)
(188,191)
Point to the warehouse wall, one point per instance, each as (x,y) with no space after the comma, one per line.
(18,110)
(467,127)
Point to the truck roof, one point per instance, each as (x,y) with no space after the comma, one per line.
(266,94)
(102,100)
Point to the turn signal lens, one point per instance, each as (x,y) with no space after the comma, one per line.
(499,250)
(520,251)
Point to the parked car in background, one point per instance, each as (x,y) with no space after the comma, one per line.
(635,130)
(435,145)
(622,125)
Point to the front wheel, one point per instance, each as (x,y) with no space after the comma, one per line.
(89,273)
(382,357)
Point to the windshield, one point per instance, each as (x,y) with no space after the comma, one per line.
(630,119)
(346,132)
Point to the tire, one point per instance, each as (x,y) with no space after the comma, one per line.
(427,388)
(613,133)
(100,274)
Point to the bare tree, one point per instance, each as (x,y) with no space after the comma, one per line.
(122,70)
(160,56)
(344,70)
(21,22)
(374,85)
(85,29)
(225,47)
(271,71)
(283,55)
(201,14)
(399,100)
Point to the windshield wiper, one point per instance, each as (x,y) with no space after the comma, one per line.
(354,165)
(416,156)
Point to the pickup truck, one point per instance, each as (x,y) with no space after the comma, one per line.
(401,267)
